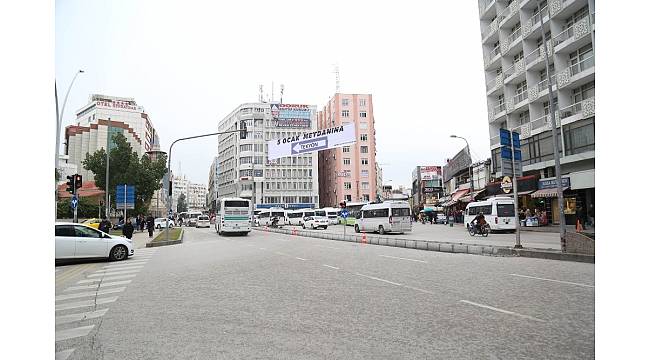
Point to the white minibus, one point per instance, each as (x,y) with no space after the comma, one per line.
(267,214)
(499,212)
(332,215)
(234,215)
(389,216)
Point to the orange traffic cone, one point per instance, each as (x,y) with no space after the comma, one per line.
(579,227)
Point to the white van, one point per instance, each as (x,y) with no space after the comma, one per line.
(389,216)
(295,217)
(267,214)
(332,215)
(499,212)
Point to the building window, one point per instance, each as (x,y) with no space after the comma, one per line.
(362,102)
(363,125)
(348,198)
(362,114)
(524,117)
(346,161)
(345,113)
(364,161)
(538,148)
(364,173)
(364,137)
(586,91)
(364,149)
(345,102)
(365,185)
(366,197)
(346,149)
(347,185)
(579,136)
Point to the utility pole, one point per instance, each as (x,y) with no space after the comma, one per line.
(556,152)
(108,157)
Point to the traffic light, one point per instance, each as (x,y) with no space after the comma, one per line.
(70,185)
(77,181)
(242,129)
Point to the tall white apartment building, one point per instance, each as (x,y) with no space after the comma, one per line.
(179,186)
(196,196)
(517,93)
(244,168)
(90,133)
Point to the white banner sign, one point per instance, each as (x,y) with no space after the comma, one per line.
(312,141)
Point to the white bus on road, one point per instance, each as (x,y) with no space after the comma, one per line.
(499,212)
(389,216)
(332,215)
(296,217)
(234,215)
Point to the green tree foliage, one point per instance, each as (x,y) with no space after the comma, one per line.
(126,168)
(85,209)
(182,204)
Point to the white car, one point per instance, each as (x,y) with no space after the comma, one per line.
(77,241)
(160,223)
(203,221)
(315,222)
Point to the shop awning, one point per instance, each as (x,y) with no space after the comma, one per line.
(449,203)
(459,194)
(544,193)
(525,192)
(471,196)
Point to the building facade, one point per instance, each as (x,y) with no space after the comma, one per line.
(517,83)
(349,173)
(92,126)
(179,186)
(212,185)
(426,186)
(244,168)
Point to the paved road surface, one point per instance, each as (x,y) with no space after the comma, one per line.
(277,296)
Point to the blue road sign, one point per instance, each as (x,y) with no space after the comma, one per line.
(309,145)
(515,141)
(505,137)
(125,194)
(74,202)
(506,153)
(344,214)
(517,155)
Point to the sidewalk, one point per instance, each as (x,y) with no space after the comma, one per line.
(556,229)
(140,239)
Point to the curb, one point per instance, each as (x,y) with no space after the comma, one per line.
(440,246)
(165,243)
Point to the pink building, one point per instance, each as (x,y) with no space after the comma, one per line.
(348,173)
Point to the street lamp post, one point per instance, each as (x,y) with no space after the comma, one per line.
(59,118)
(471,181)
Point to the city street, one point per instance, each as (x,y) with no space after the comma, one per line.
(270,295)
(458,234)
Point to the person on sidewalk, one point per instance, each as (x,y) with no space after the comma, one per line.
(105,225)
(150,225)
(137,222)
(127,229)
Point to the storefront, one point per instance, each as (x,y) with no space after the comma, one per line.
(526,185)
(545,199)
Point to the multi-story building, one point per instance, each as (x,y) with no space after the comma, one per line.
(92,126)
(179,186)
(426,186)
(244,168)
(517,88)
(212,185)
(349,173)
(379,182)
(196,195)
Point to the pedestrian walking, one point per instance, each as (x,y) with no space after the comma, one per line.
(137,222)
(150,225)
(105,225)
(142,223)
(127,229)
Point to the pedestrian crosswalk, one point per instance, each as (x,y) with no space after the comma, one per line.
(79,308)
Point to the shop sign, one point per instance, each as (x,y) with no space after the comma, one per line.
(551,183)
(506,184)
(461,162)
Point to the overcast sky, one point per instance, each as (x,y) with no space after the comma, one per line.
(190,63)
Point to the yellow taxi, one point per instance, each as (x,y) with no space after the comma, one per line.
(93,223)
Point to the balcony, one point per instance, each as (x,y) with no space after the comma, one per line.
(574,37)
(515,71)
(492,56)
(491,30)
(573,73)
(484,6)
(533,24)
(584,108)
(494,84)
(495,140)
(517,101)
(496,112)
(540,89)
(510,15)
(535,59)
(564,7)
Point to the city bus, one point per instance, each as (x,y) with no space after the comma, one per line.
(234,216)
(353,209)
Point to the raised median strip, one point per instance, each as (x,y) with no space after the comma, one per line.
(441,246)
(175,236)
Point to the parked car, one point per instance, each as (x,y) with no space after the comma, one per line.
(315,222)
(160,223)
(203,221)
(79,241)
(93,223)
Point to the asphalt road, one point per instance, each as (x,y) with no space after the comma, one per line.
(458,234)
(276,296)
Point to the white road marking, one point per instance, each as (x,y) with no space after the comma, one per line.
(73,333)
(89,293)
(63,355)
(262,248)
(558,281)
(114,273)
(299,258)
(378,279)
(501,310)
(134,263)
(130,267)
(400,258)
(281,253)
(95,286)
(106,279)
(328,247)
(85,303)
(418,289)
(332,267)
(64,319)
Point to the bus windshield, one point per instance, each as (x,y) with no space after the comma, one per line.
(236,203)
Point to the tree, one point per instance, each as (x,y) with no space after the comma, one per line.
(126,168)
(85,209)
(182,204)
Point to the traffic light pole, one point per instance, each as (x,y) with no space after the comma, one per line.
(169,168)
(516,193)
(74,196)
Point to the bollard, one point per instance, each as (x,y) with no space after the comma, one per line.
(364,240)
